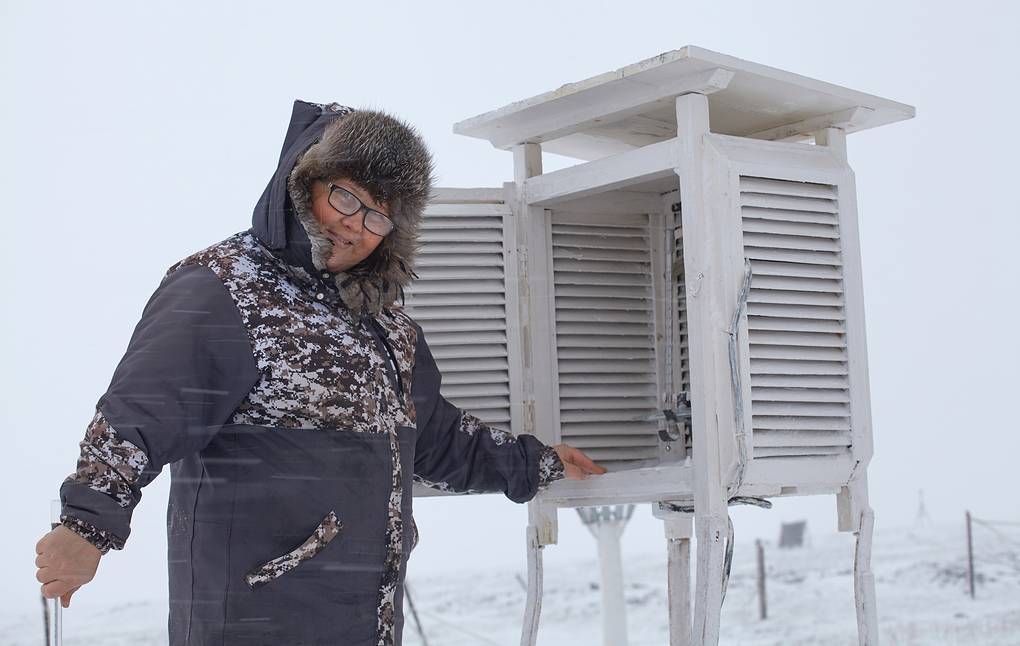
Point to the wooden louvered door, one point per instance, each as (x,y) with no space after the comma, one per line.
(796,322)
(789,211)
(680,353)
(461,297)
(606,315)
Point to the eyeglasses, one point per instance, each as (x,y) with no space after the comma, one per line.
(347,203)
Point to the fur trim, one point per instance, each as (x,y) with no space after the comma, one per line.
(391,161)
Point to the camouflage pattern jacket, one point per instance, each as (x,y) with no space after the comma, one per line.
(293,430)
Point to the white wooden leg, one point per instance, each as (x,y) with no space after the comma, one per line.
(533,603)
(678,576)
(855,515)
(542,530)
(711,533)
(864,582)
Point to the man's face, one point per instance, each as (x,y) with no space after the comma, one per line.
(352,242)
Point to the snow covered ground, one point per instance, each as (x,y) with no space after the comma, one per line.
(921,579)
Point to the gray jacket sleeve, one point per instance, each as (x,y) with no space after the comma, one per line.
(188,365)
(457,452)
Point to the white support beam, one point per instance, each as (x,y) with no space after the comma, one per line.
(466,195)
(616,202)
(512,287)
(527,227)
(619,487)
(706,318)
(822,472)
(834,139)
(530,227)
(617,171)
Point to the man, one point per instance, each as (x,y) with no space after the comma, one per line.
(295,403)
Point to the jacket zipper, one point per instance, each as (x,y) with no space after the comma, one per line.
(379,336)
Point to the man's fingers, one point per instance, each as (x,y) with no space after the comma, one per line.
(40,561)
(583,461)
(54,589)
(576,464)
(574,472)
(45,575)
(570,470)
(589,464)
(65,600)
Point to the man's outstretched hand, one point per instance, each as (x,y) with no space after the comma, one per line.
(66,562)
(576,465)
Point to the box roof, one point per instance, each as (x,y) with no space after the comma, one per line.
(635,105)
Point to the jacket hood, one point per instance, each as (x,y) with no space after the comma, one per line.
(378,151)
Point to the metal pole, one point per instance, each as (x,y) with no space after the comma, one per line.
(606,524)
(57,633)
(46,618)
(614,606)
(970,558)
(761,580)
(414,613)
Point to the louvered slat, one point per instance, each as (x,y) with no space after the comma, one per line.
(765,395)
(595,378)
(565,265)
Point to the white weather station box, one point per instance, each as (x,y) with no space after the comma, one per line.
(684,304)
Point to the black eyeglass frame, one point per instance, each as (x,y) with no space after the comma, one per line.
(361,207)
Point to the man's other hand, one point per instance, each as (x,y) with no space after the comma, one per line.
(66,561)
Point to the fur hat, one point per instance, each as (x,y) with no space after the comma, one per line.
(392,162)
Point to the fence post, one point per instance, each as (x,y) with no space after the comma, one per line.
(761,579)
(970,558)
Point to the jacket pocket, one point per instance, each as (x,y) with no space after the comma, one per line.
(270,570)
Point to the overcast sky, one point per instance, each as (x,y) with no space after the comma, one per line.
(136,133)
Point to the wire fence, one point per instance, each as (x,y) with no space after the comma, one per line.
(993,526)
(1005,551)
